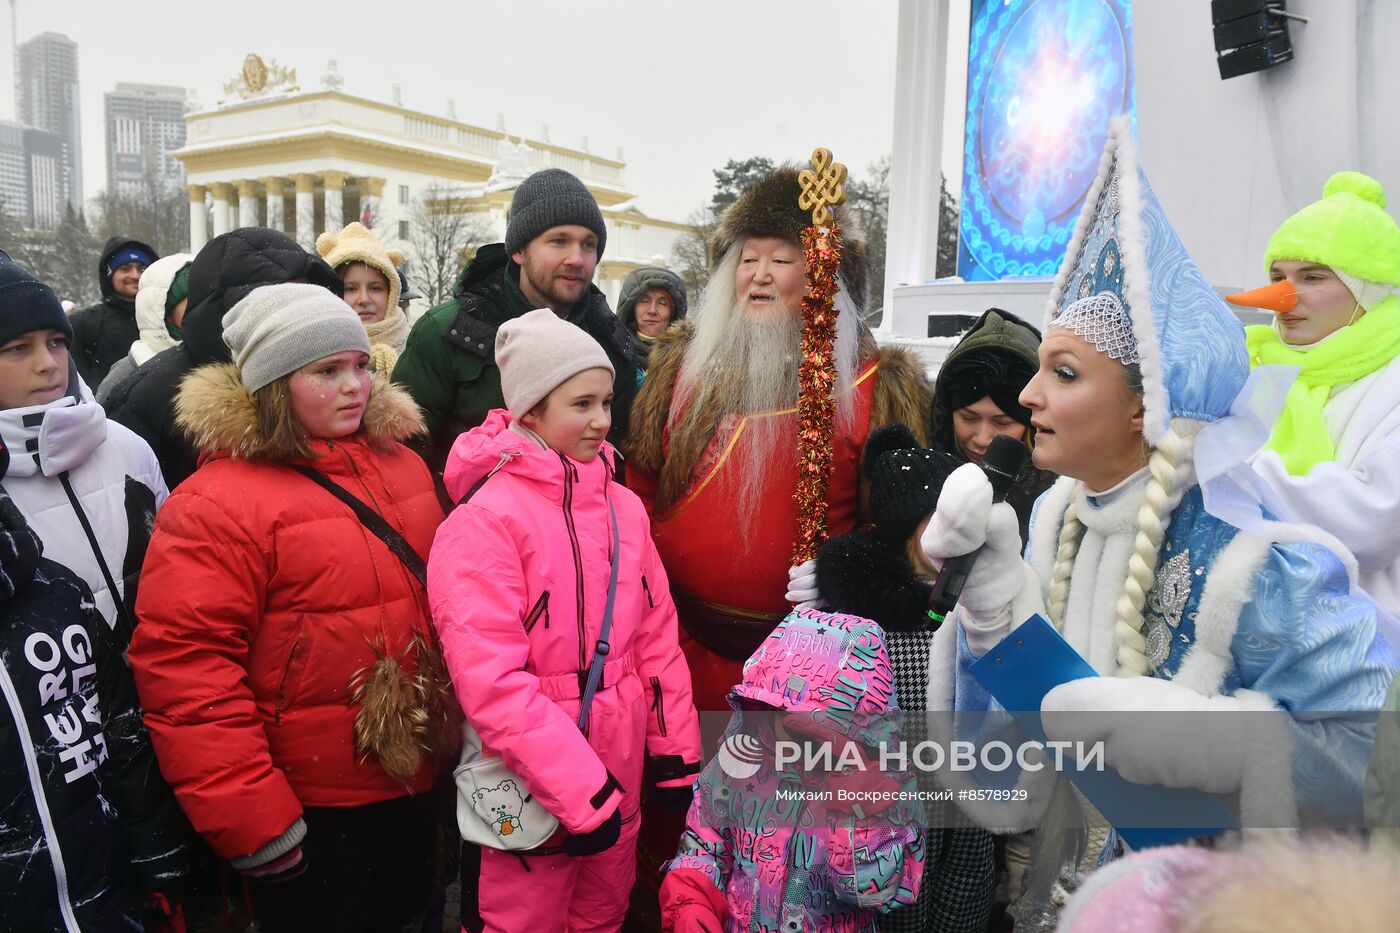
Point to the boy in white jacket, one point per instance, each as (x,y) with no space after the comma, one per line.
(1334,454)
(87,487)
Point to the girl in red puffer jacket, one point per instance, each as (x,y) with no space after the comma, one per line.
(518,581)
(284,653)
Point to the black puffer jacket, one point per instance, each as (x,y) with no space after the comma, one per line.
(104,333)
(72,721)
(227,268)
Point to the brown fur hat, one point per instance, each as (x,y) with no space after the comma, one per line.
(770,208)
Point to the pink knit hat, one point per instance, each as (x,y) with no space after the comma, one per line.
(538,352)
(1148,891)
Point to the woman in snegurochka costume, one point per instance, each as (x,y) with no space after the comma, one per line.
(1179,610)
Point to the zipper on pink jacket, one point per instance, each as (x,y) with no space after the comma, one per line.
(568,504)
(541,608)
(658,705)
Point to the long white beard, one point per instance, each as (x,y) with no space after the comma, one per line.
(744,363)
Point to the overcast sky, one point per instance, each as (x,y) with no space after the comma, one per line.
(680,87)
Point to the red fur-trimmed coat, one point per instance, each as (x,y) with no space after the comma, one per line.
(264,601)
(889,385)
(740,561)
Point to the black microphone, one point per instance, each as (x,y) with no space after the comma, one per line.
(1003,462)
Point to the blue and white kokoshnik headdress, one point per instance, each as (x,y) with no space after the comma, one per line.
(1128,287)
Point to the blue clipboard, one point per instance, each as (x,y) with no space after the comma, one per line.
(1026,665)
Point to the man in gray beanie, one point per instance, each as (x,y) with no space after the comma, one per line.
(555,235)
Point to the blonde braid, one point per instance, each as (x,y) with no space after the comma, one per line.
(1071,533)
(1170,466)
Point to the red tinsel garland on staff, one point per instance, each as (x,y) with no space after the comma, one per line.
(817,378)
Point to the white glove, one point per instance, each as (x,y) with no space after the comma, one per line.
(998,573)
(802,586)
(959,522)
(1193,741)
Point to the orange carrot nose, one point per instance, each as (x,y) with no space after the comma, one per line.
(1279,297)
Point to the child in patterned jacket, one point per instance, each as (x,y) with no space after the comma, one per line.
(773,845)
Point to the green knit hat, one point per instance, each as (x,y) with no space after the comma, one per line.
(1348,231)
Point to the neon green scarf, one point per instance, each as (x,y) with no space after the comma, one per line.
(1300,435)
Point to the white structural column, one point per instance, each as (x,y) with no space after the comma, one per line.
(306,210)
(223,191)
(372,195)
(199,228)
(335,200)
(917,160)
(247,202)
(276,197)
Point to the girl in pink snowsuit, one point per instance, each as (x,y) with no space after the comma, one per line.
(518,580)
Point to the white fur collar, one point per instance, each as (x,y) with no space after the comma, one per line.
(1114,511)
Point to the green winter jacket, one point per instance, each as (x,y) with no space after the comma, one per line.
(449,365)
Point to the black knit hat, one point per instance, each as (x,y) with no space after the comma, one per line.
(905,480)
(639,282)
(27,304)
(549,199)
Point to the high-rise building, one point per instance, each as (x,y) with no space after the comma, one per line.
(145,124)
(47,187)
(48,99)
(31,175)
(14,172)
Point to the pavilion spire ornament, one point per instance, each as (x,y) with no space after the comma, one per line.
(821,190)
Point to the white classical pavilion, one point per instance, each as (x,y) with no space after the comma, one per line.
(304,161)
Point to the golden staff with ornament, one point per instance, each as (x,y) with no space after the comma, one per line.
(821,191)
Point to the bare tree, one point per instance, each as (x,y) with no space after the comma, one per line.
(64,258)
(155,212)
(22,244)
(691,251)
(868,200)
(443,233)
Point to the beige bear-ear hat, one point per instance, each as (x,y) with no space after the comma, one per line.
(357,244)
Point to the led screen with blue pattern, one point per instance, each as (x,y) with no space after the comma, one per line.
(1044,77)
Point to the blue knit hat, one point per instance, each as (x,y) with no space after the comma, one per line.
(126,254)
(27,304)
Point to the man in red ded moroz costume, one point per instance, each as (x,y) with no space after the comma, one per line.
(713,445)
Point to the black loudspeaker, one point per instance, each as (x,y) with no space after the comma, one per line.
(950,324)
(1250,35)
